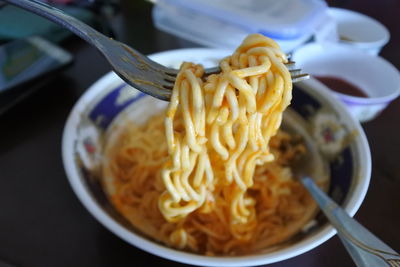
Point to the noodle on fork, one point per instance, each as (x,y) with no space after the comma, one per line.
(230,119)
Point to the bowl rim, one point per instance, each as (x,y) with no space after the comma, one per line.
(80,189)
(354,99)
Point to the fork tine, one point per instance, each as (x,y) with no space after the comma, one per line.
(392,263)
(168,84)
(395,262)
(296,74)
(290,66)
(300,77)
(171,72)
(213,70)
(169,79)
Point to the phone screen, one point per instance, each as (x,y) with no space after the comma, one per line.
(24,60)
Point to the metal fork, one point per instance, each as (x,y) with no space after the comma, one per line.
(134,68)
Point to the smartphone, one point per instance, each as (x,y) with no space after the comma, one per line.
(23,62)
(27,59)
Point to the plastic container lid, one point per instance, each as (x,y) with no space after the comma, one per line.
(283,19)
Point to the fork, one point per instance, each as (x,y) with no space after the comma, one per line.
(133,67)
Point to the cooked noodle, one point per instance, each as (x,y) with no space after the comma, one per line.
(212,175)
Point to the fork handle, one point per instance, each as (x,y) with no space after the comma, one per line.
(59,17)
(364,247)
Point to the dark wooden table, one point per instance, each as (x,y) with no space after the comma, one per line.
(42,223)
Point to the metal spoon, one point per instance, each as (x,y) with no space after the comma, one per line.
(364,247)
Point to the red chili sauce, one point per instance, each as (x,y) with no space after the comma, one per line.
(341,86)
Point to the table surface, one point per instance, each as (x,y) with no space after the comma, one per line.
(42,223)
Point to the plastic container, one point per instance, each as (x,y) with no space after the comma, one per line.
(224,23)
(375,76)
(360,31)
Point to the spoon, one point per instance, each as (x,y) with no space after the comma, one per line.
(364,247)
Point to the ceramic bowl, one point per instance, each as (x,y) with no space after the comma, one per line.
(321,119)
(375,76)
(359,31)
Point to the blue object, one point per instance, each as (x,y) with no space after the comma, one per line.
(16,23)
(283,19)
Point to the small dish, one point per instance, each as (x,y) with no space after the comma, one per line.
(360,31)
(375,76)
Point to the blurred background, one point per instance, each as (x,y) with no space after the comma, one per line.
(158,25)
(41,221)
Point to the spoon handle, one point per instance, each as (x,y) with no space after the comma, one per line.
(364,247)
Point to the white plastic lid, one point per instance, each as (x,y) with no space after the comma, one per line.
(278,19)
